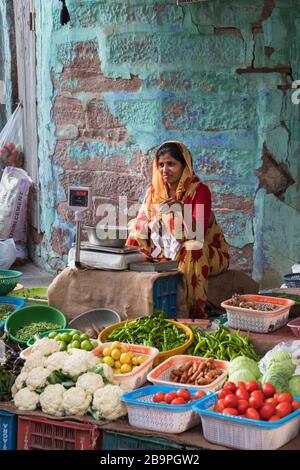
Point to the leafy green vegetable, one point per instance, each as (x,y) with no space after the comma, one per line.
(276,378)
(5,311)
(244,364)
(294,385)
(7,379)
(281,361)
(241,376)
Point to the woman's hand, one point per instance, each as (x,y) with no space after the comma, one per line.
(171,205)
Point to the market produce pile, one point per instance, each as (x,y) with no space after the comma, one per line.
(221,344)
(24,333)
(154,331)
(69,382)
(122,360)
(73,339)
(196,373)
(237,301)
(5,311)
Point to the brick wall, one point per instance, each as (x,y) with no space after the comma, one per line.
(125,76)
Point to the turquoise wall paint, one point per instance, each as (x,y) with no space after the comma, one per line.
(124,76)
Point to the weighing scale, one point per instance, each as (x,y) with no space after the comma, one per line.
(95,256)
(79,200)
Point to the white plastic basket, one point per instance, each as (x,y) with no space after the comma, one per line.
(138,377)
(161,374)
(259,321)
(246,434)
(145,414)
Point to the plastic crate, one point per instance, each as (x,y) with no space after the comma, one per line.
(120,441)
(162,417)
(243,433)
(165,294)
(13,302)
(292,280)
(37,433)
(8,430)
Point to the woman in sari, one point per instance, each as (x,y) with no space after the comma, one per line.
(174,188)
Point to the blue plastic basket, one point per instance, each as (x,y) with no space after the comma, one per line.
(14,302)
(121,441)
(165,294)
(244,433)
(8,430)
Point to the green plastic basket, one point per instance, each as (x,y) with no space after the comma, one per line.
(8,280)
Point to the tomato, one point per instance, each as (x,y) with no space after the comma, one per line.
(267,410)
(184,393)
(231,401)
(158,397)
(230,386)
(224,392)
(268,389)
(252,413)
(283,409)
(295,405)
(242,394)
(242,416)
(255,402)
(230,411)
(274,418)
(276,395)
(199,394)
(243,405)
(178,401)
(273,401)
(258,394)
(252,385)
(169,397)
(219,406)
(241,385)
(285,397)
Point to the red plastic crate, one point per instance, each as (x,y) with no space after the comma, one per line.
(36,433)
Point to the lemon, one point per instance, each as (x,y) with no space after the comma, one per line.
(124,348)
(135,367)
(101,359)
(135,361)
(116,345)
(118,364)
(125,368)
(125,358)
(109,361)
(106,352)
(115,354)
(141,359)
(117,371)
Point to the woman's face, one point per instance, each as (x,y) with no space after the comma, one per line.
(170,169)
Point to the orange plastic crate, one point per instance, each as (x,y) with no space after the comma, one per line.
(37,433)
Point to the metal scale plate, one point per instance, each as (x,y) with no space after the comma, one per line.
(108,249)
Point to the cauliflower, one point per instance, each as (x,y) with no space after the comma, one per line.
(37,378)
(79,362)
(51,400)
(56,361)
(45,346)
(105,371)
(76,401)
(90,382)
(20,382)
(36,359)
(26,399)
(107,403)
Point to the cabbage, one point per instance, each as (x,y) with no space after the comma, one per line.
(294,385)
(276,378)
(278,356)
(243,363)
(241,376)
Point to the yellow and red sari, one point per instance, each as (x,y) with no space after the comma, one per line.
(195,263)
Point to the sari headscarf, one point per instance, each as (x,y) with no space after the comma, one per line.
(188,182)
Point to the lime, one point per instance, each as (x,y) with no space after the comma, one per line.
(76,337)
(66,337)
(75,344)
(58,337)
(84,336)
(86,345)
(94,344)
(52,335)
(69,346)
(62,345)
(75,332)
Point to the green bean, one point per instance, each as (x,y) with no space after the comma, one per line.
(26,332)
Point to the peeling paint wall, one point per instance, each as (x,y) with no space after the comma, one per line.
(123,76)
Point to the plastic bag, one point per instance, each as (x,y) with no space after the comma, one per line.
(11,141)
(290,346)
(8,253)
(14,188)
